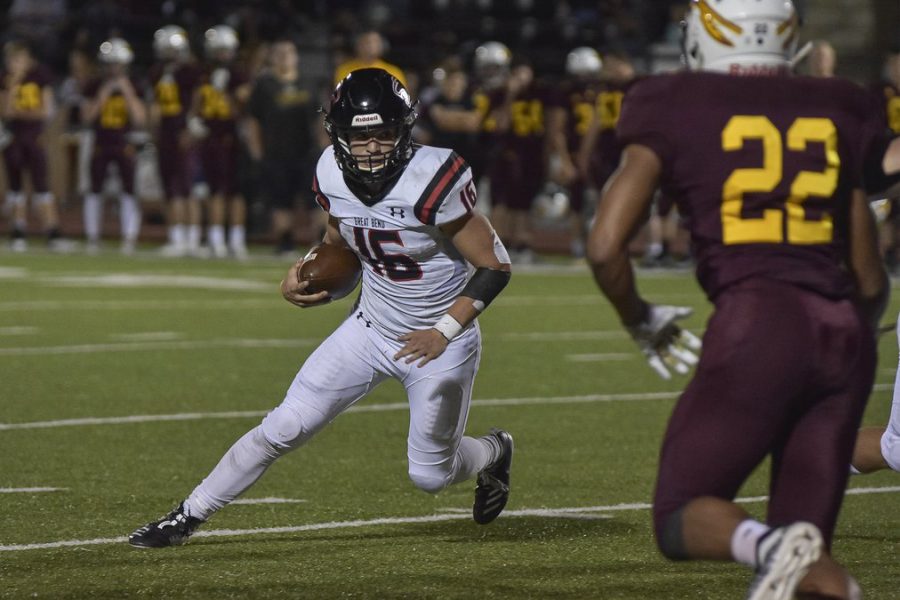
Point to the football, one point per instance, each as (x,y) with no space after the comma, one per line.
(330,268)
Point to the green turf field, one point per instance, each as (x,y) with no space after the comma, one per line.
(105,338)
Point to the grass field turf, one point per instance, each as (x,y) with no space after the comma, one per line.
(113,337)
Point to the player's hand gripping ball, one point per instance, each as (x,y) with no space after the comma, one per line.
(330,268)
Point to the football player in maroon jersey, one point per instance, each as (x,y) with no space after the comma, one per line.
(113,108)
(217,101)
(26,102)
(172,81)
(769,170)
(566,127)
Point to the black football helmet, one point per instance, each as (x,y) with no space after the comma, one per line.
(371,101)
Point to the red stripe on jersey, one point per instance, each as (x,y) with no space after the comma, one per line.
(320,197)
(440,189)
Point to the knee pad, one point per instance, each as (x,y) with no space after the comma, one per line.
(669,536)
(431,480)
(284,429)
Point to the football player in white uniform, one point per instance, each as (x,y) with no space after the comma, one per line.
(407,212)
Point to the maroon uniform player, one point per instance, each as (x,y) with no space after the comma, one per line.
(566,128)
(219,94)
(173,79)
(520,169)
(112,108)
(26,103)
(768,170)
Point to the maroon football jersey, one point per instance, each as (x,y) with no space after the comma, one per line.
(173,87)
(528,111)
(28,94)
(889,97)
(762,168)
(113,122)
(609,107)
(218,106)
(581,107)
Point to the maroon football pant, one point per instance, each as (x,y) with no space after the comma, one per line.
(219,157)
(104,156)
(26,154)
(174,167)
(784,372)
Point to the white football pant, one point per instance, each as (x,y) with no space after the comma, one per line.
(340,372)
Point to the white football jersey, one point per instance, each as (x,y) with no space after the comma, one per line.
(412,273)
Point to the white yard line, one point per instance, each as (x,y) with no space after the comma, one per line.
(31,490)
(565,512)
(269,500)
(147,336)
(600,357)
(165,340)
(159,305)
(393,406)
(19,330)
(160,345)
(365,408)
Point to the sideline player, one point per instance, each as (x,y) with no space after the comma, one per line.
(26,104)
(213,119)
(112,106)
(173,78)
(407,212)
(769,169)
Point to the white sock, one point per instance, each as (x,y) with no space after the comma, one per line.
(93,214)
(237,236)
(242,465)
(130,217)
(14,199)
(472,456)
(193,236)
(216,235)
(890,441)
(744,540)
(43,198)
(854,470)
(177,235)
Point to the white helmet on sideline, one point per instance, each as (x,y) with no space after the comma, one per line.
(741,36)
(583,61)
(170,42)
(115,51)
(220,38)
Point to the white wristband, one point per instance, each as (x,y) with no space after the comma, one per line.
(448,327)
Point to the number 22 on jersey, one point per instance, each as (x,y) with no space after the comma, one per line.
(770,228)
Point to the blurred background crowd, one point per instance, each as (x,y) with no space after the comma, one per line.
(192,126)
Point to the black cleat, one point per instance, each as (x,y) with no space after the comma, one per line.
(492,490)
(172,530)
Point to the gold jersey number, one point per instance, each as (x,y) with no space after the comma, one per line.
(770,228)
(527,117)
(214,104)
(114,114)
(28,96)
(609,106)
(893,113)
(168,98)
(584,114)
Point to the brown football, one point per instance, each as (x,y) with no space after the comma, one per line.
(330,268)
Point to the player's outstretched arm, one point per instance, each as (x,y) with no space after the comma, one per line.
(475,239)
(620,212)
